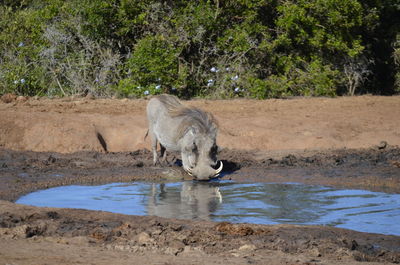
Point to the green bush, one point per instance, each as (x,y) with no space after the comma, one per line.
(152,67)
(396,57)
(20,42)
(215,49)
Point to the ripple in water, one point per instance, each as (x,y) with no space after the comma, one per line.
(260,203)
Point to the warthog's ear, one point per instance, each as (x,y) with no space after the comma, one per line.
(192,131)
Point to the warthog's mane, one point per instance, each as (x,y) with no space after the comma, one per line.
(191,116)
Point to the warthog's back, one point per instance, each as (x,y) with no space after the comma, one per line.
(170,119)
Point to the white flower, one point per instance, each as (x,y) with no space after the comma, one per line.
(22,81)
(16,82)
(237,89)
(21,44)
(234,78)
(227,69)
(210,82)
(214,69)
(146,92)
(158,87)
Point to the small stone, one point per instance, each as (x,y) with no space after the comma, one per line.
(144,239)
(8,98)
(177,244)
(248,247)
(382,145)
(175,247)
(51,159)
(22,98)
(157,232)
(121,247)
(90,96)
(315,252)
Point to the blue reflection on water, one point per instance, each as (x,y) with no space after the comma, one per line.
(260,203)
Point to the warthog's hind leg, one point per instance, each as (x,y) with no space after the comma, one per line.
(154,141)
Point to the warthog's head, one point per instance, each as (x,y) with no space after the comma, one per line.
(199,153)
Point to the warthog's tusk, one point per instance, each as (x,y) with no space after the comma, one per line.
(220,168)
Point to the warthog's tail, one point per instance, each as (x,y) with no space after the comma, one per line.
(147,133)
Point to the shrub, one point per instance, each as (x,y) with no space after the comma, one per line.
(215,49)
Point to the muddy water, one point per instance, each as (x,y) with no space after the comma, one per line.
(260,203)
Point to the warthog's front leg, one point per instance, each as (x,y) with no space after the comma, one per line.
(163,154)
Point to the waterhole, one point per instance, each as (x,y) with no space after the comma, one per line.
(260,203)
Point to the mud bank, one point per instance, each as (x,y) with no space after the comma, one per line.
(373,169)
(23,172)
(344,142)
(136,234)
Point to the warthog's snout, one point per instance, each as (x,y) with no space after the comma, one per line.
(204,172)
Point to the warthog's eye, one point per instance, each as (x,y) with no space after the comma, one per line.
(213,152)
(214,149)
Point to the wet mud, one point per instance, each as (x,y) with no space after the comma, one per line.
(349,142)
(169,236)
(23,172)
(376,169)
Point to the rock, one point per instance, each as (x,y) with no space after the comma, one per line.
(175,247)
(35,230)
(382,145)
(395,163)
(22,98)
(8,98)
(121,247)
(144,239)
(90,96)
(248,247)
(289,160)
(188,250)
(177,244)
(234,229)
(315,252)
(17,232)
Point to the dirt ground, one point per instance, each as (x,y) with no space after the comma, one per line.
(344,142)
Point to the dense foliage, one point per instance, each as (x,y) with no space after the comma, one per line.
(218,49)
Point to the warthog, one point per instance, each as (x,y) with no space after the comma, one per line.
(187,130)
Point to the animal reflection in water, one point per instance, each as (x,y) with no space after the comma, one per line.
(192,200)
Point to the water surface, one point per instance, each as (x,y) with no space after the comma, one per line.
(260,203)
